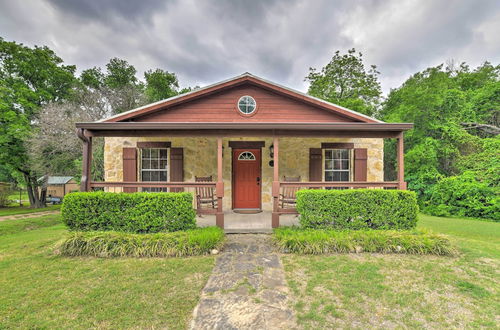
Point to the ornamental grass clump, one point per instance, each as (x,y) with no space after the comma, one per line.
(317,241)
(118,244)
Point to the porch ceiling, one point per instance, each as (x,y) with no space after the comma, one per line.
(239,129)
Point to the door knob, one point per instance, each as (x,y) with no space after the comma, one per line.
(258,180)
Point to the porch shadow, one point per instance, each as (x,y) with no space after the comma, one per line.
(247,223)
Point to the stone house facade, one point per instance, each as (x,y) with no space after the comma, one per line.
(201,160)
(242,145)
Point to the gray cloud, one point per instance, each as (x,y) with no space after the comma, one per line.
(206,41)
(106,10)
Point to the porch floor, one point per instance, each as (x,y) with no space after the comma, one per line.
(247,223)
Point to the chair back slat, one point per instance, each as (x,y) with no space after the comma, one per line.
(290,192)
(204,192)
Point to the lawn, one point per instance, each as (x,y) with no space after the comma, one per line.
(387,291)
(14,210)
(42,290)
(15,195)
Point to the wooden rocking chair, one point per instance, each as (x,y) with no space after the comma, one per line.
(288,196)
(205,195)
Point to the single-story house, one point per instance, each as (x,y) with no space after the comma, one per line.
(59,186)
(242,145)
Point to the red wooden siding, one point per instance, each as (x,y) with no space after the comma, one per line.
(176,167)
(221,107)
(130,167)
(315,164)
(360,164)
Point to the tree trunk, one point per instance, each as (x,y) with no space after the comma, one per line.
(36,197)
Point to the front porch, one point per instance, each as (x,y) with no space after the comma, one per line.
(247,223)
(280,149)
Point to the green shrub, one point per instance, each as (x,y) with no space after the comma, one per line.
(463,195)
(357,209)
(136,212)
(118,244)
(319,241)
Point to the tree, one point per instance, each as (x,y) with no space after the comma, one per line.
(29,79)
(41,100)
(346,82)
(439,100)
(54,147)
(123,90)
(120,74)
(160,85)
(93,78)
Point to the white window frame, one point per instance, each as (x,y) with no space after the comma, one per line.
(140,169)
(351,162)
(253,158)
(254,107)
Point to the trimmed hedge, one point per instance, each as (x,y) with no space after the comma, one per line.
(135,213)
(357,209)
(118,244)
(318,241)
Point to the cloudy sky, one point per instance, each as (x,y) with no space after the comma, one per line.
(207,41)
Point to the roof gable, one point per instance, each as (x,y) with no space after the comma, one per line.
(217,103)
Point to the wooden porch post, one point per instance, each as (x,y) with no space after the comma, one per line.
(275,221)
(401,162)
(219,190)
(86,161)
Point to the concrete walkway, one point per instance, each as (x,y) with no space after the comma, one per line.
(247,288)
(28,215)
(247,223)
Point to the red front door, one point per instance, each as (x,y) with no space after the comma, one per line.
(246,178)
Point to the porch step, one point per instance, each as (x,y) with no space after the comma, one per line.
(249,231)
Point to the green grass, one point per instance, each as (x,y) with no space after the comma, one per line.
(193,242)
(15,226)
(14,210)
(403,291)
(15,196)
(322,241)
(40,289)
(476,238)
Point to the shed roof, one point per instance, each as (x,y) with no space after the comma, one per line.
(59,179)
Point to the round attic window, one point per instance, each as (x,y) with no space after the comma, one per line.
(247,104)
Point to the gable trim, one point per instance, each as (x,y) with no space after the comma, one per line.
(236,81)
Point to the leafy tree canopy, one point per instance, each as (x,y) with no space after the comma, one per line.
(440,101)
(29,79)
(41,99)
(345,81)
(160,84)
(119,73)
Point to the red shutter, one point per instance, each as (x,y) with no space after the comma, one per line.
(176,167)
(360,164)
(130,167)
(315,159)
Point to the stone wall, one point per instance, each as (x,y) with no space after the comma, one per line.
(200,159)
